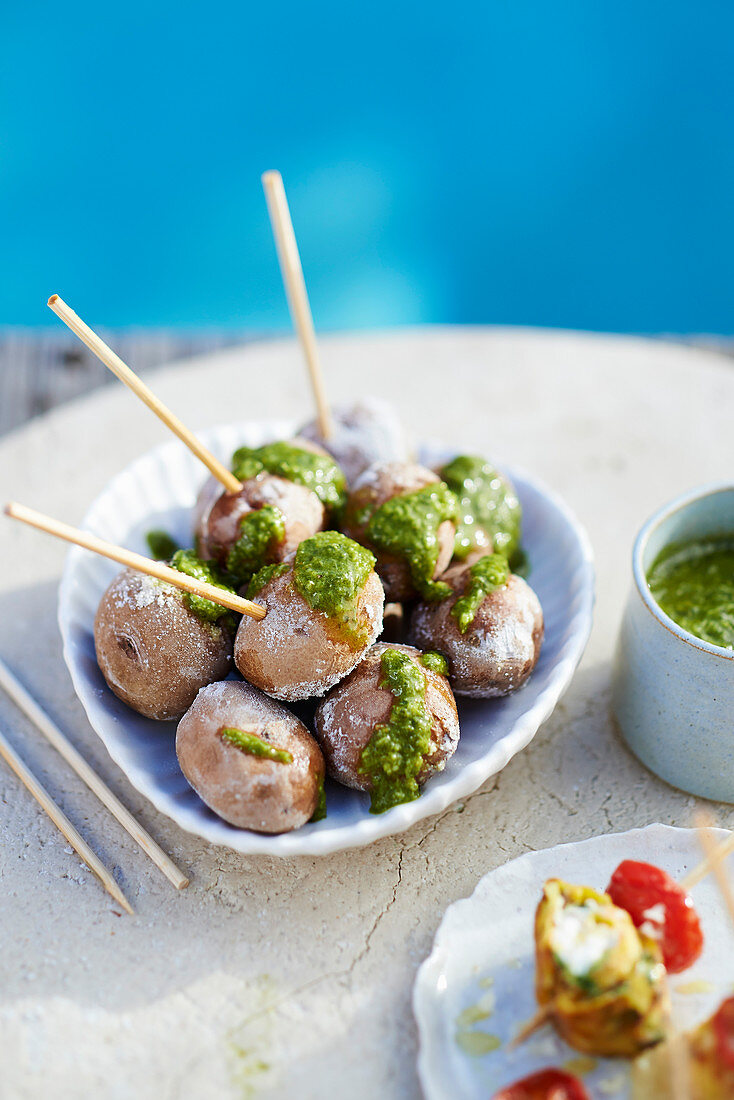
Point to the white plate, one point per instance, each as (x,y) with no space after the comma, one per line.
(158,490)
(484,948)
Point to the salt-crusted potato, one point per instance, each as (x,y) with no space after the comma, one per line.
(153,651)
(235,776)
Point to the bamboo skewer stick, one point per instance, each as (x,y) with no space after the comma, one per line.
(718,853)
(538,1020)
(62,823)
(134,561)
(53,734)
(716,864)
(139,388)
(295,287)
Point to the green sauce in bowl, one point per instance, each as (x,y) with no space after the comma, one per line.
(693,583)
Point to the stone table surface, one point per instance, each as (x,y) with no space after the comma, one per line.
(293,977)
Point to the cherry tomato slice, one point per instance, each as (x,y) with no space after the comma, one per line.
(549,1084)
(653,899)
(723,1022)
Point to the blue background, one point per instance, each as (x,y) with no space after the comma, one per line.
(502,161)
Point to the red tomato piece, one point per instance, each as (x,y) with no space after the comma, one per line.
(723,1022)
(549,1084)
(656,901)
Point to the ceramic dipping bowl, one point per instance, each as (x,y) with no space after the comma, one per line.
(672,693)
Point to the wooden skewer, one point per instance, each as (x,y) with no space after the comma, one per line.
(139,388)
(718,853)
(134,561)
(62,823)
(679,1066)
(295,287)
(716,864)
(53,734)
(663,1071)
(540,1019)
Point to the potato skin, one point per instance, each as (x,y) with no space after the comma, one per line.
(346,718)
(298,653)
(501,646)
(365,432)
(217,514)
(153,652)
(250,792)
(379,483)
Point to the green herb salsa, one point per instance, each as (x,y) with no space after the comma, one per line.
(187,562)
(330,572)
(490,572)
(435,662)
(261,532)
(162,547)
(253,745)
(317,472)
(394,755)
(407,526)
(487,502)
(693,583)
(319,813)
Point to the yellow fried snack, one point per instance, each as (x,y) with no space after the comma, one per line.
(601,981)
(711,1055)
(698,1064)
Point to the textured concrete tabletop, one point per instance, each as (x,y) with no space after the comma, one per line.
(283,978)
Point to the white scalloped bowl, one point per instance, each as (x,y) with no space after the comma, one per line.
(158,490)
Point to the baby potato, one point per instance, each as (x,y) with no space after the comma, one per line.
(249,759)
(152,650)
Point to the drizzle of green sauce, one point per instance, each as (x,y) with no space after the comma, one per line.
(187,562)
(580,1066)
(407,526)
(162,547)
(319,473)
(487,574)
(476,1043)
(436,662)
(330,571)
(393,756)
(693,582)
(320,812)
(487,501)
(265,576)
(262,532)
(254,746)
(474,1014)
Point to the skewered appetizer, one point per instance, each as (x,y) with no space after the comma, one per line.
(324,611)
(489,628)
(249,759)
(362,433)
(711,1055)
(407,516)
(703,1058)
(390,725)
(601,965)
(156,646)
(601,981)
(289,491)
